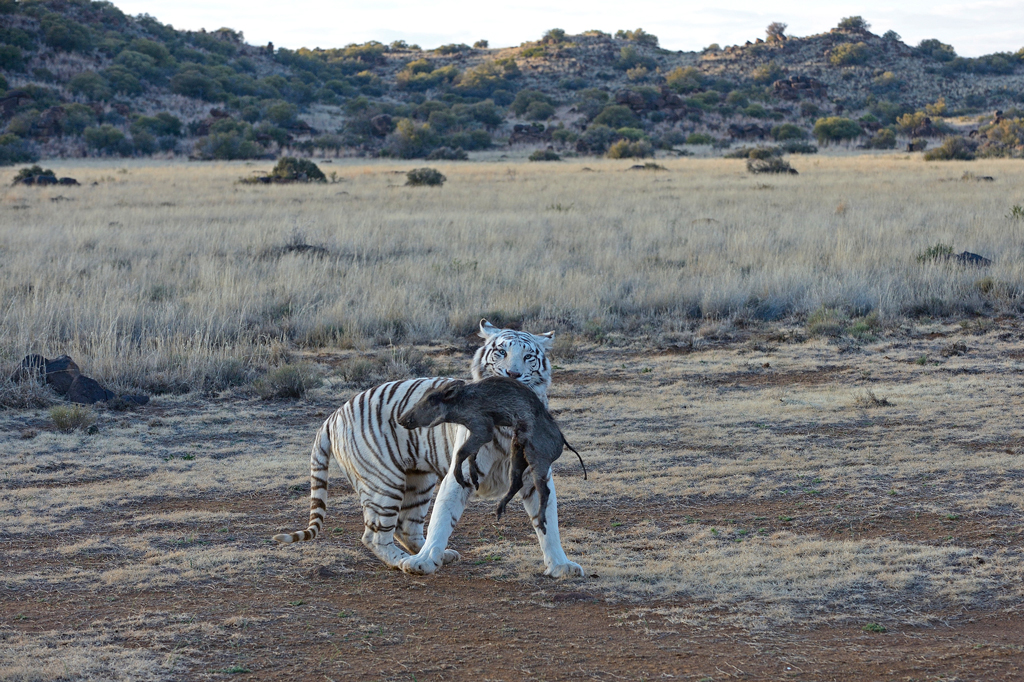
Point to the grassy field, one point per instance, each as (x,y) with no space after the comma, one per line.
(172,277)
(828,492)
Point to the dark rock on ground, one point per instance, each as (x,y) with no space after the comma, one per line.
(968,258)
(87,391)
(59,372)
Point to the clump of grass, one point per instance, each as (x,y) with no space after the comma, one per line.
(826,322)
(1016,212)
(938,252)
(396,364)
(70,418)
(874,627)
(288,381)
(955,348)
(869,399)
(24,394)
(424,177)
(864,328)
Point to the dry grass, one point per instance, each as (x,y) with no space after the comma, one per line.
(176,277)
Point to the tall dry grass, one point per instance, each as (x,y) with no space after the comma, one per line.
(173,276)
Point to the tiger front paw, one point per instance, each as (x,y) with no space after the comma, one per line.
(426,562)
(570,569)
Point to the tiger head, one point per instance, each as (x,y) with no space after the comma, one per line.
(519,355)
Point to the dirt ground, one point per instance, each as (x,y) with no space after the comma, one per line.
(761,506)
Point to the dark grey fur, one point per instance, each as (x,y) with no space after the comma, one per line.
(482,406)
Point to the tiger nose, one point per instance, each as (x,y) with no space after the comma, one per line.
(513,375)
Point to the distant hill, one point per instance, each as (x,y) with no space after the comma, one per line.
(82,78)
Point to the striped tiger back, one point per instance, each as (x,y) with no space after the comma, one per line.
(394,470)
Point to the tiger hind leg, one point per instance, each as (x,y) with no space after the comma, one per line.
(380,520)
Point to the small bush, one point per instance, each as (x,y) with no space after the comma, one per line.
(617,116)
(699,138)
(624,149)
(31,172)
(836,129)
(288,381)
(290,169)
(424,177)
(108,140)
(70,418)
(939,252)
(855,23)
(788,131)
(774,164)
(545,155)
(13,150)
(849,54)
(953,148)
(883,139)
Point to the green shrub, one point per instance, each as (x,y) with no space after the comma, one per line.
(682,80)
(122,81)
(425,177)
(836,129)
(936,49)
(883,139)
(411,141)
(13,150)
(699,138)
(68,418)
(597,137)
(65,34)
(10,58)
(631,58)
(849,54)
(108,140)
(288,381)
(291,169)
(638,36)
(939,252)
(227,146)
(539,111)
(617,116)
(767,73)
(481,45)
(953,148)
(163,123)
(788,131)
(625,149)
(855,23)
(90,84)
(193,83)
(545,155)
(525,98)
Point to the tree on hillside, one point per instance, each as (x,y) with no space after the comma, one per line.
(776,31)
(856,23)
(836,129)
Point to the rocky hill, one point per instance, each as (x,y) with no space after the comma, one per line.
(82,78)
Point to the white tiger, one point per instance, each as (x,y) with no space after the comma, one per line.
(394,470)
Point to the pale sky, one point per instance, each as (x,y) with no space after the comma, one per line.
(972,27)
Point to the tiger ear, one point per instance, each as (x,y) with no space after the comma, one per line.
(487,330)
(546,340)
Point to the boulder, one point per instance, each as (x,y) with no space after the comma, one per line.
(67,181)
(968,258)
(61,373)
(87,391)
